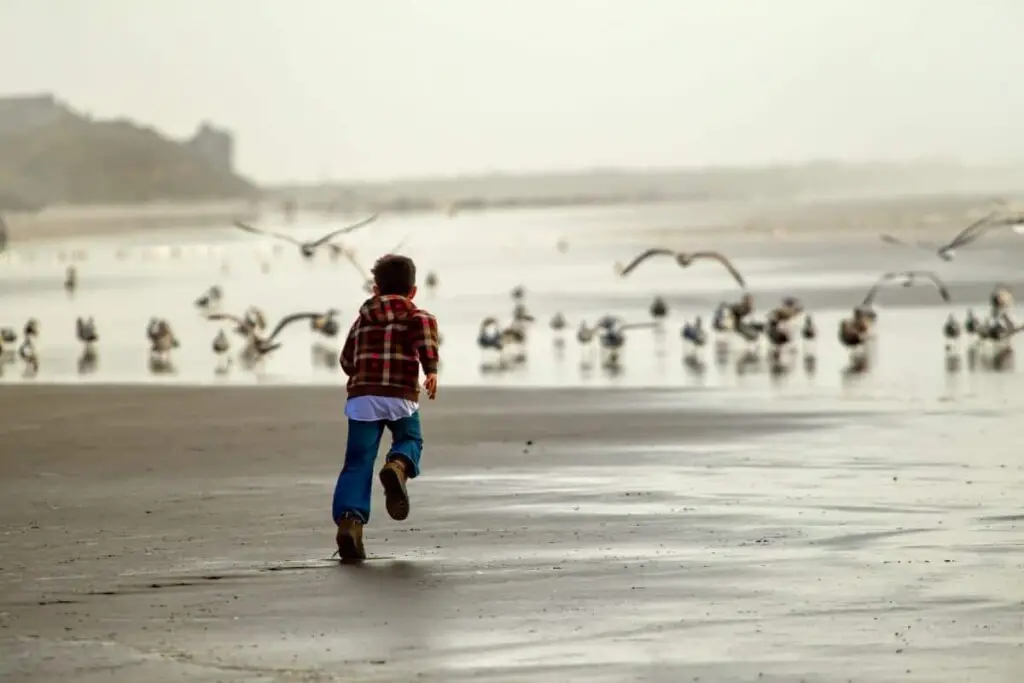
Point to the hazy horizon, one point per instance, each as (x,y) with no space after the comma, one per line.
(320,89)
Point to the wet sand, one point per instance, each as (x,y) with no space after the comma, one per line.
(62,223)
(164,534)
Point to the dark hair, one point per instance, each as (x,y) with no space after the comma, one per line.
(394,274)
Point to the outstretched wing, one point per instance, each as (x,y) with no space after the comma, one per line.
(724,261)
(939,284)
(910,276)
(890,239)
(288,320)
(358,266)
(227,316)
(875,288)
(637,326)
(346,230)
(248,228)
(643,257)
(976,229)
(401,243)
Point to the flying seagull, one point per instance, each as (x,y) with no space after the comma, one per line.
(969,234)
(685,259)
(910,278)
(307,249)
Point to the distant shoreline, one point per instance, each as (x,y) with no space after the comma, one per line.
(772,215)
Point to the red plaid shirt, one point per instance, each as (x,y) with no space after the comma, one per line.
(386,346)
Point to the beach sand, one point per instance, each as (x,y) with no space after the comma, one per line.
(166,534)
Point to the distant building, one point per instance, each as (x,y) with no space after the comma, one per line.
(23,112)
(216,145)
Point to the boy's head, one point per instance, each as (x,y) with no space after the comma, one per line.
(394,274)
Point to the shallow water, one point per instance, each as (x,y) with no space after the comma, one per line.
(479,259)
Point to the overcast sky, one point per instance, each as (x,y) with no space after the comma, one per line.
(385,88)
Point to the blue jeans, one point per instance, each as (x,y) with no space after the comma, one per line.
(355,483)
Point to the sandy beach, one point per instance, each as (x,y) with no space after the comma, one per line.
(659,522)
(167,534)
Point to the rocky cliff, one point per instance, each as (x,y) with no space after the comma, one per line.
(75,160)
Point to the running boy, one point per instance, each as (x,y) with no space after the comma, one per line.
(386,346)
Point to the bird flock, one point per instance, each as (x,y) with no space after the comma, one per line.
(780,337)
(243,339)
(785,333)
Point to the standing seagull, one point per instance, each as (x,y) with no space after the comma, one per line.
(27,353)
(256,347)
(659,309)
(694,338)
(613,338)
(951,331)
(210,300)
(558,325)
(221,346)
(85,330)
(308,249)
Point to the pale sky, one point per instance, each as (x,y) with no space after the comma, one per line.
(395,88)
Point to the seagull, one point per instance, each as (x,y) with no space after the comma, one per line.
(161,339)
(221,343)
(694,333)
(658,308)
(790,308)
(951,331)
(489,335)
(308,249)
(367,278)
(613,338)
(855,331)
(257,346)
(684,259)
(808,332)
(210,299)
(585,333)
(971,323)
(27,353)
(911,277)
(317,321)
(327,323)
(521,314)
(85,330)
(969,234)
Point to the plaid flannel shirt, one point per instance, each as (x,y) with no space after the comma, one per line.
(386,346)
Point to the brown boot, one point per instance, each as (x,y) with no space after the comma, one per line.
(350,539)
(396,498)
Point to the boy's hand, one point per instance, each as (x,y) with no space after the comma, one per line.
(430,384)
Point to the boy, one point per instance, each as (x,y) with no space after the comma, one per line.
(385,348)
